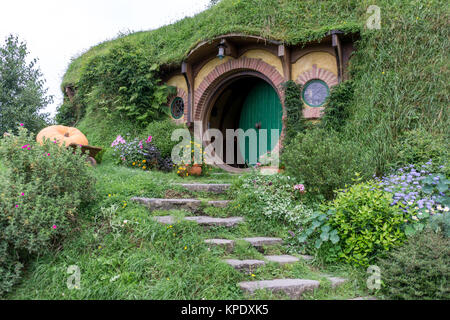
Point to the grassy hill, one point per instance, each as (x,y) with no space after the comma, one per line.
(399,73)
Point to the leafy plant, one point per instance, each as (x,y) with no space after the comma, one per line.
(356,226)
(417,270)
(270,198)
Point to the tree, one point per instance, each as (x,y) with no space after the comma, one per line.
(22,92)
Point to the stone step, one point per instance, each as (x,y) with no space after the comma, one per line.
(203,187)
(245,265)
(306,257)
(259,242)
(282,259)
(192,205)
(228,245)
(336,281)
(364,298)
(292,287)
(204,221)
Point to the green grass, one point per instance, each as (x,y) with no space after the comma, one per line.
(146,260)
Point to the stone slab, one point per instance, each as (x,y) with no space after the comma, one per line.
(282,259)
(292,287)
(245,265)
(263,241)
(203,187)
(204,221)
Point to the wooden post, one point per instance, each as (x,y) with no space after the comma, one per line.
(186,70)
(284,53)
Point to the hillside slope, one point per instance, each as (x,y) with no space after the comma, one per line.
(400,73)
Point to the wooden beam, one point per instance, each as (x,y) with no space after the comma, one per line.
(336,43)
(186,70)
(284,53)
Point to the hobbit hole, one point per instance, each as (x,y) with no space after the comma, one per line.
(235,82)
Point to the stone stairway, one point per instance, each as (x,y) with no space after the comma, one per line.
(294,288)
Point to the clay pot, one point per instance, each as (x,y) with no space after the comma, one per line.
(195,170)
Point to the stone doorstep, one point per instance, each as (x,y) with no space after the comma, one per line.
(204,221)
(214,188)
(263,241)
(193,205)
(292,287)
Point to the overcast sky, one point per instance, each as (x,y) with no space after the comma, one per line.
(56,31)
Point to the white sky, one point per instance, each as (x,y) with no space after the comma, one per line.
(55,30)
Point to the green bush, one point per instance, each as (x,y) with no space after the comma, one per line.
(324,161)
(337,109)
(124,81)
(44,188)
(418,270)
(161,132)
(356,226)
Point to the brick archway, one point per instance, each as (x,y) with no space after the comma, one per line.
(318,73)
(211,82)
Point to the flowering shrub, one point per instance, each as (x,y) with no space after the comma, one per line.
(41,193)
(270,197)
(142,154)
(419,192)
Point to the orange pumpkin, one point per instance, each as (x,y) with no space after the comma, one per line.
(62,135)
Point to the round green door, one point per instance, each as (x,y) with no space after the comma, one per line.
(261,110)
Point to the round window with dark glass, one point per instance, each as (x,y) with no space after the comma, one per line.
(177,108)
(315,93)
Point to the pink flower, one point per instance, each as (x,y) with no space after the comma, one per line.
(29,148)
(48,154)
(54,226)
(21,124)
(149,139)
(55,141)
(17,205)
(25,146)
(300,188)
(22,194)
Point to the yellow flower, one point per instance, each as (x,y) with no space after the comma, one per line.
(185,248)
(134,163)
(144,167)
(144,161)
(99,247)
(253,275)
(109,195)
